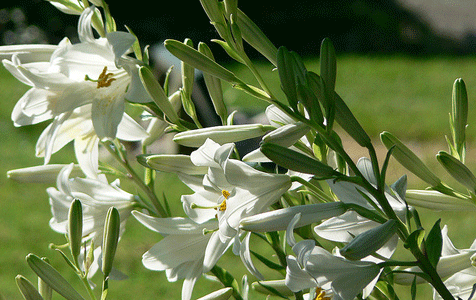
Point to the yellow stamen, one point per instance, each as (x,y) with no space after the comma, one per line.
(321,295)
(104,79)
(222,206)
(225,194)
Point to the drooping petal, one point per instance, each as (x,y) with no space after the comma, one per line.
(106,116)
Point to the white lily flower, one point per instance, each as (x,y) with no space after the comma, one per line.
(77,126)
(96,196)
(94,71)
(345,227)
(314,266)
(182,250)
(231,190)
(452,262)
(460,285)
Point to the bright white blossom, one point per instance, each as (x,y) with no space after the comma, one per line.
(230,191)
(94,71)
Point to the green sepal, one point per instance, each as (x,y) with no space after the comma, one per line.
(52,277)
(27,289)
(296,161)
(434,244)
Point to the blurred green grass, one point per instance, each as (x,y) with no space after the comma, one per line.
(407,96)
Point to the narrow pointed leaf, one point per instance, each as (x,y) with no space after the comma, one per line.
(434,244)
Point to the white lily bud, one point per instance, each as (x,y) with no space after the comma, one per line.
(287,135)
(172,163)
(438,201)
(221,294)
(110,239)
(41,174)
(221,134)
(279,219)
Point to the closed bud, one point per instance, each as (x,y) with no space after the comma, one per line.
(286,135)
(253,35)
(52,277)
(174,163)
(408,159)
(199,61)
(296,161)
(459,117)
(110,239)
(438,201)
(457,170)
(369,241)
(27,289)
(75,228)
(221,134)
(41,174)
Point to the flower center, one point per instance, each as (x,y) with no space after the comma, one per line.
(219,207)
(104,80)
(321,295)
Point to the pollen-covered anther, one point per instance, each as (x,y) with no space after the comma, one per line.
(104,79)
(321,294)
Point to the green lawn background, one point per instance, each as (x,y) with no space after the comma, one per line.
(407,96)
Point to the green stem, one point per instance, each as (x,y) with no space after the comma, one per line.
(159,209)
(85,282)
(325,197)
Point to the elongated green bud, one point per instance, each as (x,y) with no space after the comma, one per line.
(52,277)
(110,239)
(328,64)
(457,170)
(199,61)
(214,11)
(175,163)
(27,289)
(408,159)
(459,117)
(369,241)
(214,86)
(296,161)
(157,93)
(221,134)
(75,228)
(286,135)
(253,35)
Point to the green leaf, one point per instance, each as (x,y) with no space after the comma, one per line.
(271,290)
(434,244)
(267,262)
(52,277)
(291,73)
(415,239)
(296,161)
(413,288)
